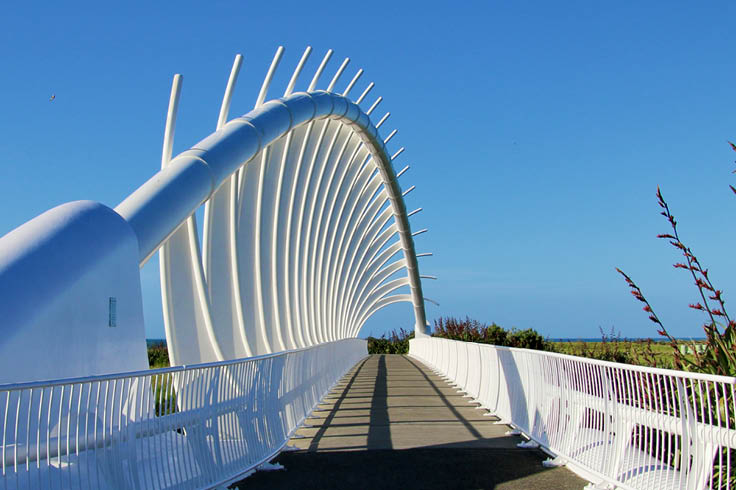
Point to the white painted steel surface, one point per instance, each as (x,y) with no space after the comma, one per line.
(303,221)
(59,274)
(304,218)
(204,426)
(628,426)
(305,236)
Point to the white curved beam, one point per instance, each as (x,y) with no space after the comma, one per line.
(345,224)
(377,243)
(294,333)
(302,206)
(182,274)
(219,239)
(315,218)
(155,210)
(359,196)
(380,304)
(367,206)
(319,250)
(376,237)
(260,306)
(330,234)
(375,279)
(166,152)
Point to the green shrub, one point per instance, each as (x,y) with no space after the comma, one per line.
(493,334)
(527,339)
(396,343)
(158,355)
(470,330)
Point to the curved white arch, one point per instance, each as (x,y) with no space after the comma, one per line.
(384,302)
(316,225)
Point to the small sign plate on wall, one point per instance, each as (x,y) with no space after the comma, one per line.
(112,317)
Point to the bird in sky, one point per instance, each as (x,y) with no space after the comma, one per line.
(53,96)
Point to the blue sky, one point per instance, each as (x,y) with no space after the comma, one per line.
(537,134)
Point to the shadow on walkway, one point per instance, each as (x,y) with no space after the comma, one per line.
(431,469)
(391,423)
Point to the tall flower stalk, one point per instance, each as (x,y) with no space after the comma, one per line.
(720,331)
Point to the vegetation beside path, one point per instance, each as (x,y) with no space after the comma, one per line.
(467,330)
(610,348)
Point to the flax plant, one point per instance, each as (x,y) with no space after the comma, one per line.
(720,331)
(719,357)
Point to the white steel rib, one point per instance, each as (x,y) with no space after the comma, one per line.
(303,225)
(303,219)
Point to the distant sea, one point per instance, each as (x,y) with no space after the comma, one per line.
(633,339)
(150,342)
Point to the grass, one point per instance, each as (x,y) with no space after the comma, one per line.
(158,356)
(164,395)
(396,343)
(639,352)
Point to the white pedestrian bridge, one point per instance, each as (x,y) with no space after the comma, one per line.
(305,236)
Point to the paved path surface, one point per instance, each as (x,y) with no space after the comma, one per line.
(392,423)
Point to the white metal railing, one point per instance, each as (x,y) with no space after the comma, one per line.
(186,427)
(630,426)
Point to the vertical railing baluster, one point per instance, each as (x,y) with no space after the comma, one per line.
(28,433)
(5,427)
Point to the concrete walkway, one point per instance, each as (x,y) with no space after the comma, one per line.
(392,423)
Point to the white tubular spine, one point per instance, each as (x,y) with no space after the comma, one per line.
(318,218)
(280,254)
(303,224)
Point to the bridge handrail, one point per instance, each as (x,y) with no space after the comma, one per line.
(195,426)
(146,372)
(631,426)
